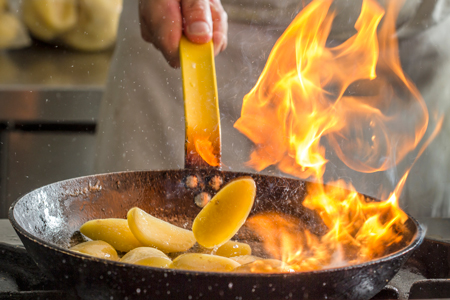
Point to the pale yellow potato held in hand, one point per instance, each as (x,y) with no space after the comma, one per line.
(113,231)
(153,232)
(233,248)
(203,262)
(245,259)
(96,27)
(147,256)
(263,266)
(224,215)
(98,249)
(47,19)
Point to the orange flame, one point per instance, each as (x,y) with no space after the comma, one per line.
(206,151)
(301,99)
(359,230)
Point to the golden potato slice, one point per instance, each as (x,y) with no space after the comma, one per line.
(204,262)
(113,231)
(141,253)
(147,256)
(245,259)
(98,249)
(156,262)
(153,232)
(233,248)
(263,266)
(227,211)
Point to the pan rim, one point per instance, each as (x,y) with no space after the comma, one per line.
(416,240)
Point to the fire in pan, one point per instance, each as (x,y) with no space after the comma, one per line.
(338,243)
(47,219)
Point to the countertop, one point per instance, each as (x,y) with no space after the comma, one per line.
(49,104)
(43,66)
(7,234)
(51,84)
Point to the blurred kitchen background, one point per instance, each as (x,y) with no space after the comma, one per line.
(54,59)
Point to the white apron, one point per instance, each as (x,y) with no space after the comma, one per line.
(141,123)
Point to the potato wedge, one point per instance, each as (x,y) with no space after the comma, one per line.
(245,259)
(141,253)
(98,249)
(227,211)
(203,262)
(147,256)
(156,262)
(263,266)
(153,232)
(113,231)
(233,248)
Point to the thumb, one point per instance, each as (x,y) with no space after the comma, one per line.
(197,20)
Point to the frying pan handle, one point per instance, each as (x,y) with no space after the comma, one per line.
(201,106)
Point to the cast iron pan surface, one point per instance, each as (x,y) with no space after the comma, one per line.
(47,221)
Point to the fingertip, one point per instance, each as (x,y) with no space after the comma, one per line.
(174,61)
(198,32)
(224,45)
(217,48)
(172,58)
(198,26)
(175,64)
(220,42)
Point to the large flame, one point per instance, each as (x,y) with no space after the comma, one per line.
(306,95)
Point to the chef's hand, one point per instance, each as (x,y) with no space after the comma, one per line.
(164,21)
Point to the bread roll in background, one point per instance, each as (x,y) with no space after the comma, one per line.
(12,32)
(96,26)
(3,5)
(88,25)
(47,19)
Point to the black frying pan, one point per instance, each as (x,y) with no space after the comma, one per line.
(47,218)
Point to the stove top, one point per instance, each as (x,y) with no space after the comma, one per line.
(426,274)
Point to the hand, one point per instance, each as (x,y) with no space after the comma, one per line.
(164,21)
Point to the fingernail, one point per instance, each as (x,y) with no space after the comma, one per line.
(198,28)
(218,48)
